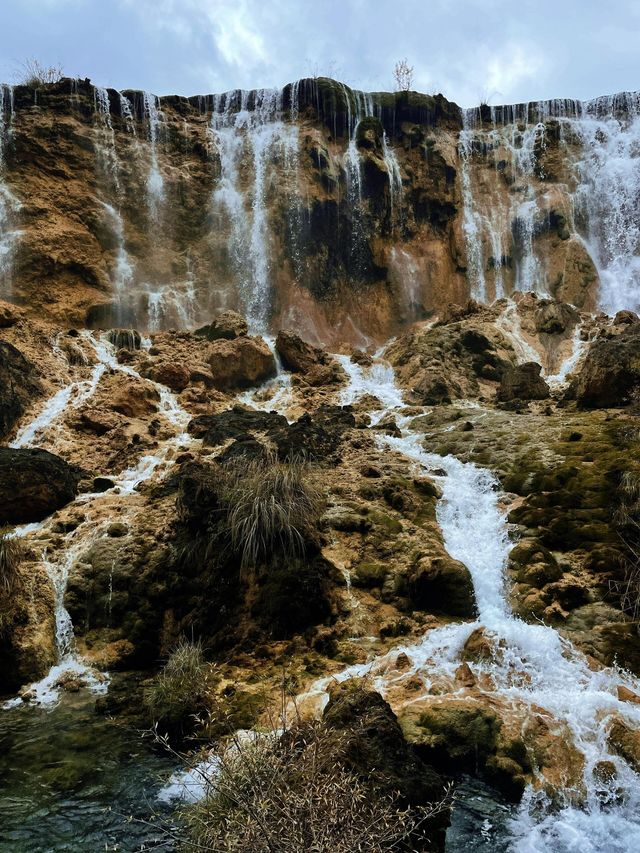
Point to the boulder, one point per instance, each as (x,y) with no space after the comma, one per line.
(443,585)
(233,423)
(175,376)
(33,484)
(297,355)
(9,314)
(228,326)
(132,398)
(315,437)
(626,318)
(625,741)
(534,564)
(240,363)
(553,318)
(18,386)
(610,374)
(523,382)
(377,741)
(313,363)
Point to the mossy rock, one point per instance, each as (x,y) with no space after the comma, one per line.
(369,575)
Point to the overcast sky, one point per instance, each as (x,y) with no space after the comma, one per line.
(467,49)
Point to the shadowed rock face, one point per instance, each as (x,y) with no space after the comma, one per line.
(610,375)
(18,386)
(33,484)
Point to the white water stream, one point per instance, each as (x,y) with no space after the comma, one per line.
(600,143)
(40,431)
(535,668)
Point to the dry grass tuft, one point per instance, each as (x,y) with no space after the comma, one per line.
(11,555)
(270,506)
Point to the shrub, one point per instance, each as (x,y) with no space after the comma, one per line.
(177,694)
(288,792)
(35,74)
(11,555)
(627,521)
(270,507)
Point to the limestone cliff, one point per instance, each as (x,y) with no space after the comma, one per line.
(344,214)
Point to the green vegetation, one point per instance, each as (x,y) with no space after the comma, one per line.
(11,555)
(177,694)
(270,507)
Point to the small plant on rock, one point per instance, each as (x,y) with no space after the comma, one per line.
(34,74)
(11,555)
(178,692)
(270,507)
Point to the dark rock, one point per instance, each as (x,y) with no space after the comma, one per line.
(216,429)
(610,374)
(33,484)
(228,325)
(314,437)
(128,339)
(553,318)
(18,386)
(442,585)
(626,318)
(523,382)
(376,741)
(102,484)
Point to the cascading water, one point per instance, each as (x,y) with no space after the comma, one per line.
(534,668)
(155,181)
(9,204)
(42,430)
(262,130)
(504,215)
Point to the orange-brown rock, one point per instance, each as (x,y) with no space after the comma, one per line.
(240,363)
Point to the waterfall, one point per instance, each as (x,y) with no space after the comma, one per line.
(155,181)
(43,430)
(609,195)
(504,213)
(535,667)
(261,134)
(9,204)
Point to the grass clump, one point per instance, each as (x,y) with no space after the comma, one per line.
(11,555)
(177,695)
(270,507)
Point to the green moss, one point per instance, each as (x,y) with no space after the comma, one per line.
(368,575)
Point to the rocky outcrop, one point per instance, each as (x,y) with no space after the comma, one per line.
(440,584)
(240,363)
(523,382)
(226,326)
(463,358)
(610,375)
(314,365)
(27,639)
(19,386)
(33,484)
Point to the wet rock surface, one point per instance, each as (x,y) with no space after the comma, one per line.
(33,484)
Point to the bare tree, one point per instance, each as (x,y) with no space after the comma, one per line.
(35,74)
(403,75)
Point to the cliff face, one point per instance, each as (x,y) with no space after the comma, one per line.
(343,214)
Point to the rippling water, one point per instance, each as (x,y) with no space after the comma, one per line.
(70,778)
